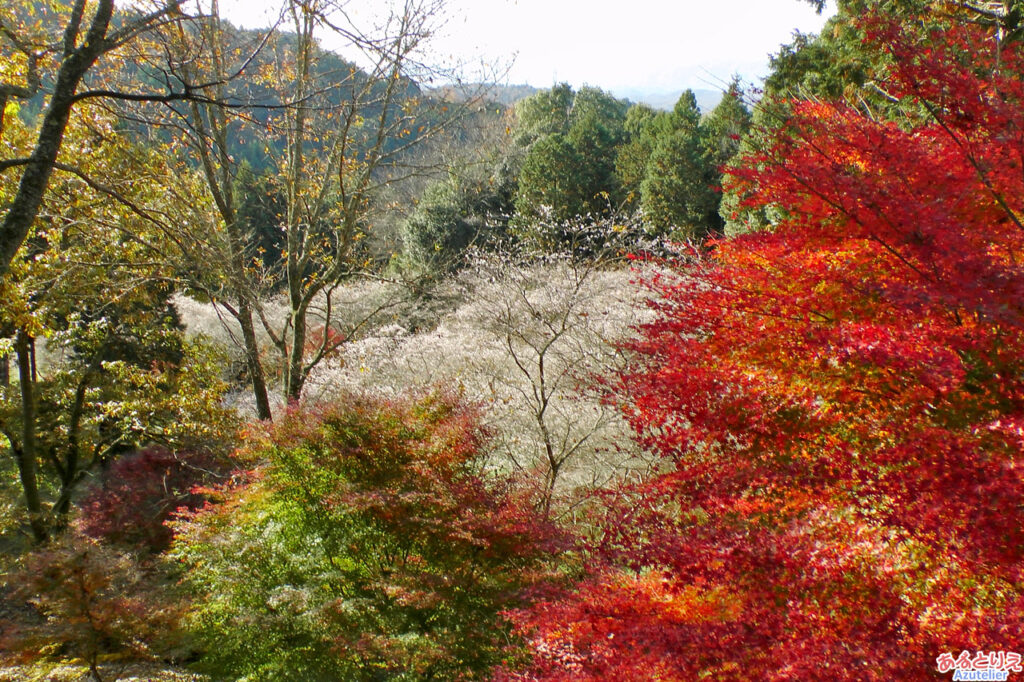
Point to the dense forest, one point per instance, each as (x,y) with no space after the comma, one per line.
(336,366)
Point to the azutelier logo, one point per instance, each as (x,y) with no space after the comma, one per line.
(991,665)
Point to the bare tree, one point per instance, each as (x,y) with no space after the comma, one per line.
(340,153)
(220,260)
(529,338)
(337,135)
(559,330)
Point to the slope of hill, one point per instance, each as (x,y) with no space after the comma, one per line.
(506,95)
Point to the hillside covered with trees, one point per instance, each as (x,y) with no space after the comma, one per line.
(312,368)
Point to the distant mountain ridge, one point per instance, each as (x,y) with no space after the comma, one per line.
(665,100)
(510,94)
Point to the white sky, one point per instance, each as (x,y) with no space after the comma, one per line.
(645,45)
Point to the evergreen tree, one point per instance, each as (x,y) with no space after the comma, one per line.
(571,171)
(542,114)
(548,180)
(676,195)
(721,132)
(453,214)
(632,156)
(259,214)
(722,129)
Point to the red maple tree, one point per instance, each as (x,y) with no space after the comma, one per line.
(842,397)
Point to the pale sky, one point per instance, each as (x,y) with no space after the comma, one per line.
(647,45)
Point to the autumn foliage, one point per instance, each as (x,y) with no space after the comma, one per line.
(86,600)
(842,400)
(365,542)
(140,492)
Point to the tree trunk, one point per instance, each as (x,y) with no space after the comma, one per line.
(26,454)
(295,183)
(295,376)
(70,475)
(252,358)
